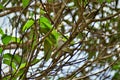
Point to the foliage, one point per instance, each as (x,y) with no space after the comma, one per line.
(60,40)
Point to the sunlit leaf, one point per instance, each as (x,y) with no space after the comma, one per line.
(28,24)
(46,21)
(25,3)
(14,39)
(6,39)
(1,31)
(45,24)
(22,65)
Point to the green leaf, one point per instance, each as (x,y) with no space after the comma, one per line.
(47,49)
(1,6)
(8,62)
(43,28)
(45,20)
(108,1)
(116,76)
(15,39)
(45,24)
(6,39)
(1,31)
(7,56)
(42,11)
(1,50)
(53,38)
(101,1)
(116,67)
(28,24)
(56,34)
(25,3)
(6,77)
(22,65)
(50,1)
(19,73)
(17,59)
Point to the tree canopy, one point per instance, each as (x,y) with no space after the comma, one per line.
(59,40)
